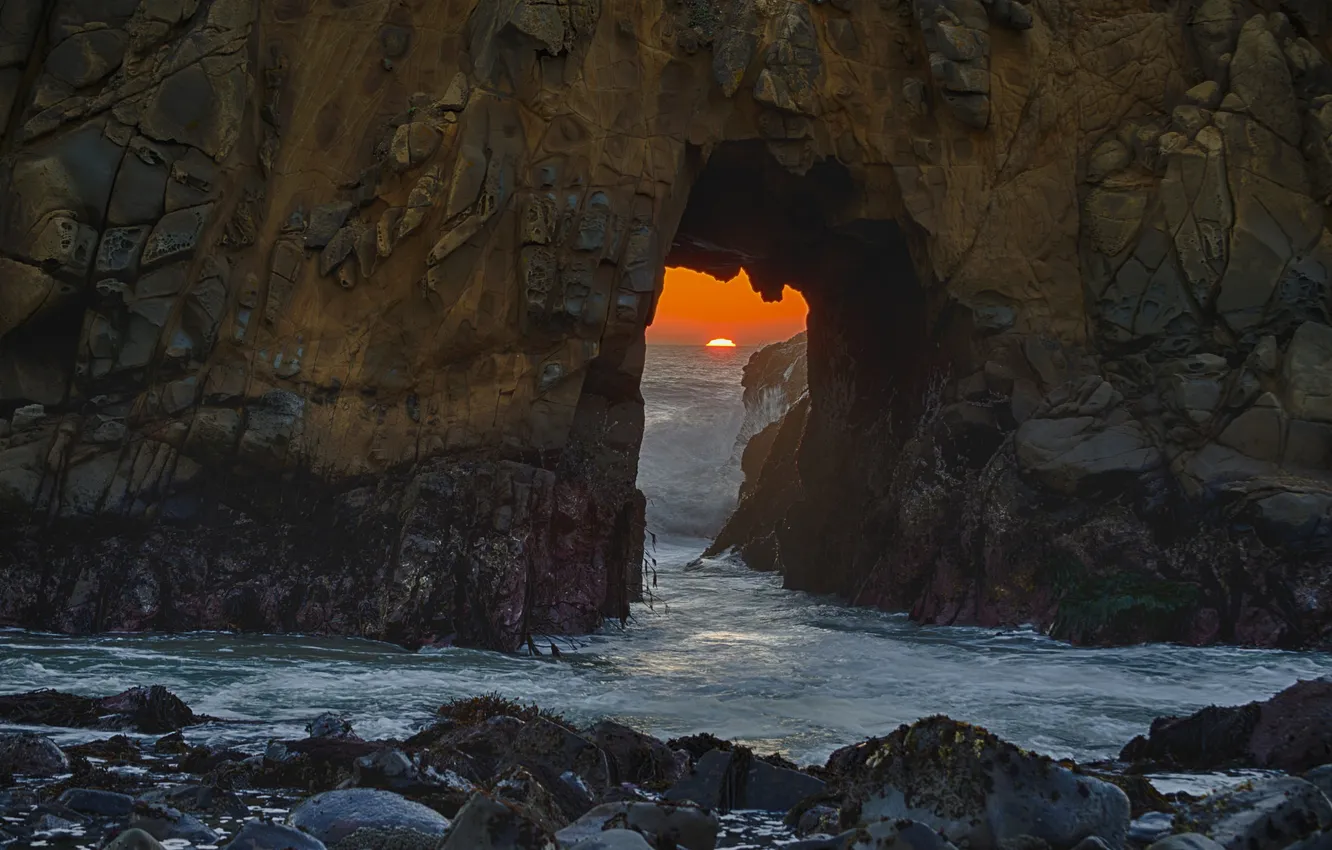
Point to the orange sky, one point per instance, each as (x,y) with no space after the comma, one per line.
(696,307)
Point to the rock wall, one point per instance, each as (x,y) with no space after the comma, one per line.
(775,381)
(329,315)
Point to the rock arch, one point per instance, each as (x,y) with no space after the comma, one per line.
(329,316)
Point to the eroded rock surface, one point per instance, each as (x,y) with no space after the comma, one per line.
(329,317)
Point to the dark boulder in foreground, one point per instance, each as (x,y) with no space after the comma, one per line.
(152,710)
(975,789)
(736,780)
(1291,732)
(257,835)
(335,815)
(28,754)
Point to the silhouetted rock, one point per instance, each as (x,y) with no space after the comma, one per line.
(1292,731)
(153,710)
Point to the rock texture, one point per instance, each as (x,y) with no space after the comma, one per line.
(328,316)
(1291,732)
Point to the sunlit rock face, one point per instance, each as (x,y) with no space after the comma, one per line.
(330,316)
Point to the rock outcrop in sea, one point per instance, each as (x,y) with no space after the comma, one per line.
(329,317)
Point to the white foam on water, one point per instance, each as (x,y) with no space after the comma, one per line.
(720,649)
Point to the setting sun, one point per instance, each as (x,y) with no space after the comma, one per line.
(721,343)
(695,308)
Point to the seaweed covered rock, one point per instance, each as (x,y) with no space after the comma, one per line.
(489,824)
(633,756)
(153,710)
(1292,732)
(975,789)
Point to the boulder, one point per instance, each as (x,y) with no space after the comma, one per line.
(1186,841)
(489,824)
(330,725)
(153,710)
(29,754)
(205,798)
(91,801)
(884,835)
(258,835)
(166,824)
(688,827)
(524,792)
(737,780)
(633,756)
(334,815)
(1291,732)
(134,839)
(1268,814)
(975,788)
(614,839)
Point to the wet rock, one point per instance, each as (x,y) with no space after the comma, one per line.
(736,780)
(1186,841)
(153,710)
(633,756)
(488,824)
(1322,777)
(1264,815)
(975,788)
(198,798)
(330,725)
(614,839)
(91,801)
(257,835)
(1292,732)
(1151,827)
(134,839)
(165,824)
(1317,841)
(885,835)
(688,827)
(29,754)
(334,815)
(520,789)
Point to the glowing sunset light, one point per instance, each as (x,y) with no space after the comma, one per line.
(695,307)
(721,343)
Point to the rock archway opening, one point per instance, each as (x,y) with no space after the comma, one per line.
(871,348)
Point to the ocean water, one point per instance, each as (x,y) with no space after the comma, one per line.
(718,648)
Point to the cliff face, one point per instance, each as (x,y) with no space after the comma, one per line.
(329,316)
(775,382)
